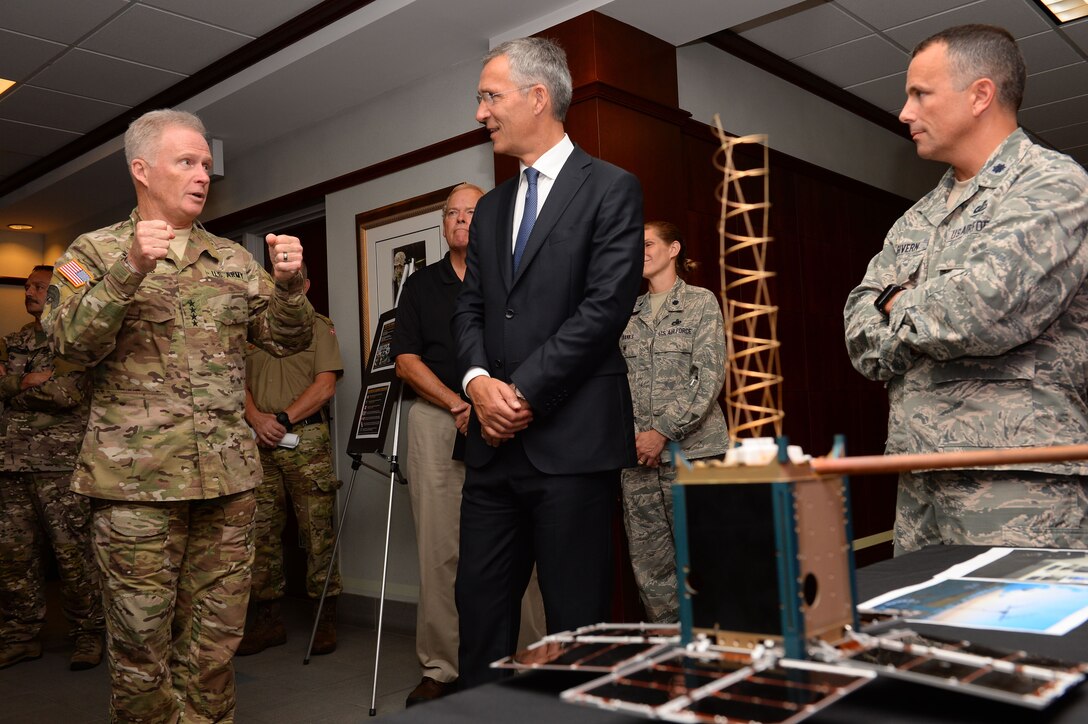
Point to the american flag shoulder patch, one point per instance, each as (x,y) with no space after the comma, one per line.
(74,273)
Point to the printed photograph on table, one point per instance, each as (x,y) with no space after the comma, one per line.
(1053,609)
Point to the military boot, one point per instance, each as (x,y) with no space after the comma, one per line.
(88,652)
(325,638)
(16,651)
(264,628)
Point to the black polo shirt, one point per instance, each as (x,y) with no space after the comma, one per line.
(423,320)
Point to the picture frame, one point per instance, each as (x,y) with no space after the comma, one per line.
(412,227)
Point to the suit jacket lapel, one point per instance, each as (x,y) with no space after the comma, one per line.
(566,185)
(503,241)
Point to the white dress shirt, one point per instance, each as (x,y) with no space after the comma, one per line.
(549,165)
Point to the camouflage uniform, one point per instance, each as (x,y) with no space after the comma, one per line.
(41,428)
(304,473)
(167,455)
(987,348)
(676,367)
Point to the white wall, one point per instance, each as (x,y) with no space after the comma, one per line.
(750,101)
(403,120)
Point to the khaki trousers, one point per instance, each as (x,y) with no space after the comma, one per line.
(434,484)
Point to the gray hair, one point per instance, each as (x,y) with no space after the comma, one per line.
(984,51)
(459,187)
(143,134)
(538,60)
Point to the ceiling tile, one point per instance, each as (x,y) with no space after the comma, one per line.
(856,62)
(887,92)
(884,14)
(806,31)
(164,40)
(1068,137)
(1078,33)
(28,104)
(21,55)
(61,20)
(83,73)
(1079,154)
(252,17)
(1046,51)
(10,162)
(36,140)
(1016,16)
(1054,85)
(1052,115)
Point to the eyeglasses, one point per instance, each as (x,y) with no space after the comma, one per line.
(490,98)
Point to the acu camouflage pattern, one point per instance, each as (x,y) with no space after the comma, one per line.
(168,359)
(32,506)
(988,347)
(179,672)
(41,426)
(986,507)
(305,474)
(676,368)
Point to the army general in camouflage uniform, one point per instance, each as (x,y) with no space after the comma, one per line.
(675,351)
(159,311)
(975,313)
(284,395)
(45,413)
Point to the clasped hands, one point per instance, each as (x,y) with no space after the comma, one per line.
(499,409)
(153,237)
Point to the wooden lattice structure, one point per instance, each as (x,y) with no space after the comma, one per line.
(753,381)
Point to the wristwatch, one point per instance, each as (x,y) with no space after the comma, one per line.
(882,299)
(283,419)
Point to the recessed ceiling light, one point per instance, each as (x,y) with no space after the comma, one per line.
(1065,11)
(5,84)
(20,227)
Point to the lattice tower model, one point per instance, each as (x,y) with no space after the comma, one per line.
(753,380)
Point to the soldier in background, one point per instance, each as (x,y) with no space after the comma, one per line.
(42,423)
(674,345)
(975,313)
(159,311)
(288,395)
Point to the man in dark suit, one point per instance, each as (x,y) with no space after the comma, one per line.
(554,265)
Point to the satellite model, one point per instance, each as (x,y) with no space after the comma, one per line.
(786,643)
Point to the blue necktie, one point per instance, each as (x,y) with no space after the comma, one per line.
(528,217)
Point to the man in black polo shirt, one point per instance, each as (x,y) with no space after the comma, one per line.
(426,359)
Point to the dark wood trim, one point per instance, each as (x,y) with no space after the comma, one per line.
(706,132)
(764,59)
(275,40)
(317,192)
(603,91)
(12,281)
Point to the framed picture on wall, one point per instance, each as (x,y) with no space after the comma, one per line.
(388,238)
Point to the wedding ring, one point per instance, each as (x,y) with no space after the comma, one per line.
(285,256)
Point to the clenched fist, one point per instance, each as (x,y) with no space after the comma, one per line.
(286,255)
(152,243)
